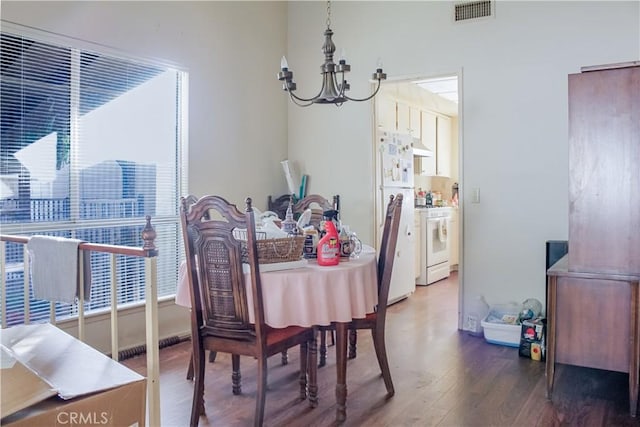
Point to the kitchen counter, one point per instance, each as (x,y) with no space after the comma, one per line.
(437,210)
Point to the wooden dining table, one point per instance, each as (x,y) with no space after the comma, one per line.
(313,295)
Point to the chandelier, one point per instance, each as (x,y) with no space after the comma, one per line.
(334,88)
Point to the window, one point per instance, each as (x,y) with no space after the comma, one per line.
(91,143)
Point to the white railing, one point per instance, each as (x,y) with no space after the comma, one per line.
(150,255)
(43,210)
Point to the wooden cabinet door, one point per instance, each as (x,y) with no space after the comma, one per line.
(443,146)
(604,171)
(414,122)
(429,130)
(593,323)
(404,120)
(385,108)
(425,166)
(428,136)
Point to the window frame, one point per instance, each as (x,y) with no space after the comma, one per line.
(75,221)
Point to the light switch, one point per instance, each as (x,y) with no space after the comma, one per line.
(476,196)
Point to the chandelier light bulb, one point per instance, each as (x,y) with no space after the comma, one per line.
(283,63)
(343,56)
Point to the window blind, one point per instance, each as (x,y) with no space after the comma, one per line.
(90,144)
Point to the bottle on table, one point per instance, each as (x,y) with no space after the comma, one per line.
(328,251)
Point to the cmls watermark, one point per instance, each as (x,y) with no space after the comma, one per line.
(82,418)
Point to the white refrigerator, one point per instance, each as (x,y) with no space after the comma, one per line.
(394,174)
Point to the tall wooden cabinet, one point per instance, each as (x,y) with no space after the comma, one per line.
(593,292)
(604,171)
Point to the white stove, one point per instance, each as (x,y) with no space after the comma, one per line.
(434,211)
(434,244)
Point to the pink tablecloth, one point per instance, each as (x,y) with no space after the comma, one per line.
(312,295)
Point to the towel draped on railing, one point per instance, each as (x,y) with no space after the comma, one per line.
(55,269)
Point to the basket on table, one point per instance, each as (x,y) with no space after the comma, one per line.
(270,251)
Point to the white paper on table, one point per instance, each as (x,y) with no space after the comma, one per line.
(291,176)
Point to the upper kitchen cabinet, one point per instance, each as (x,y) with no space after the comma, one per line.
(415,127)
(427,165)
(429,130)
(443,146)
(408,119)
(436,136)
(385,112)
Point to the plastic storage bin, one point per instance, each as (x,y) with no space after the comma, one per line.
(498,326)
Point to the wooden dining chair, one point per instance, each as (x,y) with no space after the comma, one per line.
(280,204)
(318,205)
(376,321)
(218,240)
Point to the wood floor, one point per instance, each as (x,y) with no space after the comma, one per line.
(442,377)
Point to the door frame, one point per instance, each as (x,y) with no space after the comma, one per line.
(407,79)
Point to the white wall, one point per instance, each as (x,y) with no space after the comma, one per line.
(514,134)
(237,112)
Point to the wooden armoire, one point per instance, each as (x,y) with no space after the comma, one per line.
(592,313)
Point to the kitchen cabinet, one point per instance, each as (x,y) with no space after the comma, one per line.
(443,146)
(436,136)
(404,117)
(418,244)
(429,130)
(414,122)
(385,108)
(427,165)
(454,225)
(408,119)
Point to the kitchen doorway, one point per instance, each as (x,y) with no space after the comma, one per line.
(430,109)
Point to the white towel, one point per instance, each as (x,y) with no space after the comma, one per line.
(442,230)
(54,269)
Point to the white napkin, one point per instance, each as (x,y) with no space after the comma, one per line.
(272,231)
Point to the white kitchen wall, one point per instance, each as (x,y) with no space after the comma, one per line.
(237,112)
(514,136)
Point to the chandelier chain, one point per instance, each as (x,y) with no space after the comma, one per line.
(328,14)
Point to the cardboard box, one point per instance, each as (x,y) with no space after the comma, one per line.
(49,378)
(532,339)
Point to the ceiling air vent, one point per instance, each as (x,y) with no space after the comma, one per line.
(473,10)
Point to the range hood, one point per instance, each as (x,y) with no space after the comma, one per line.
(420,150)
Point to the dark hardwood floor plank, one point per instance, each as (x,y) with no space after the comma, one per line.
(443,377)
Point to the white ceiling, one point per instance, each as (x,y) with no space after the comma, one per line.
(446,87)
